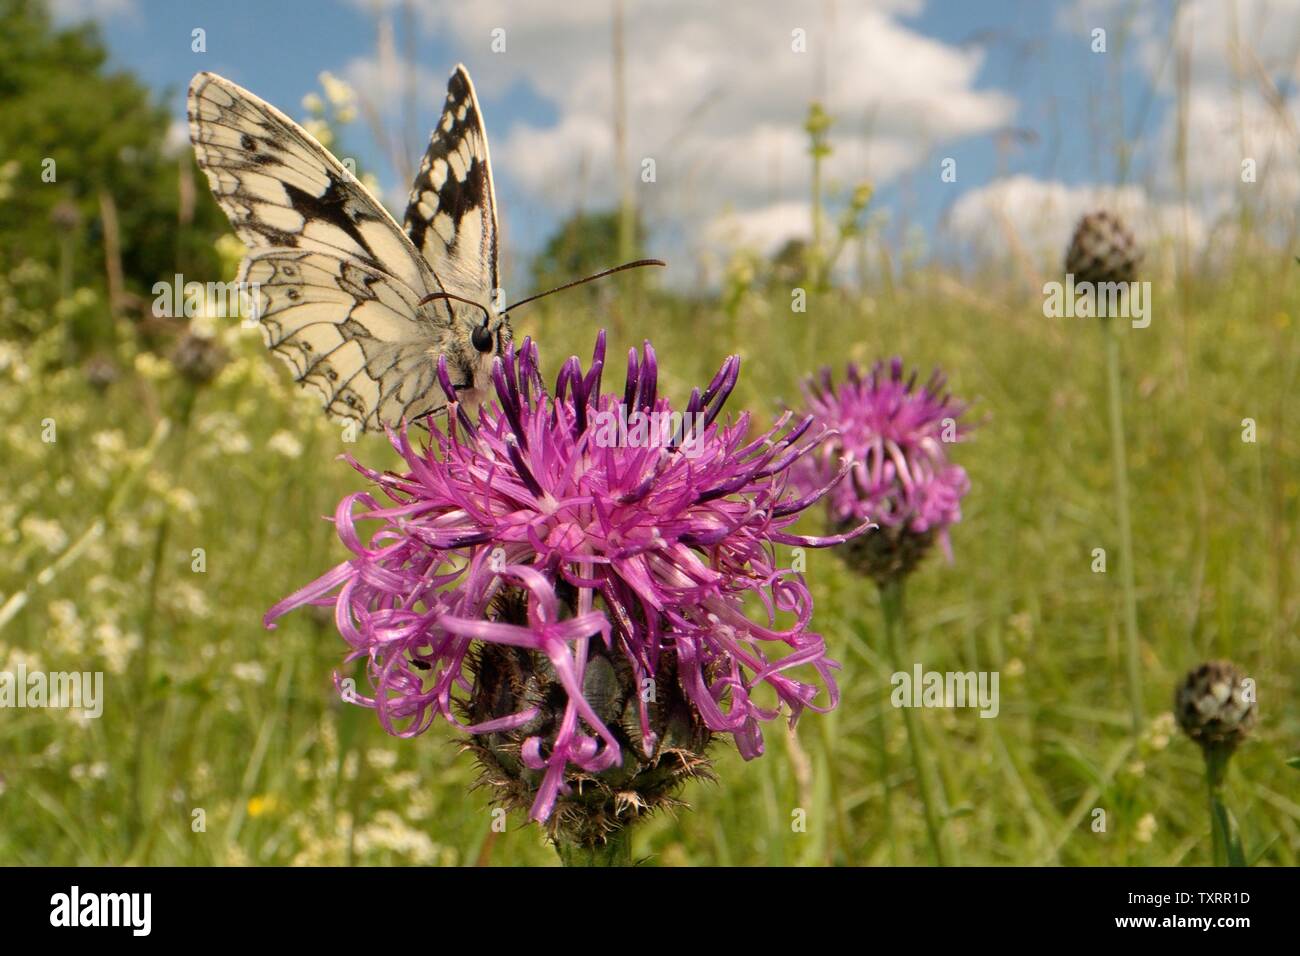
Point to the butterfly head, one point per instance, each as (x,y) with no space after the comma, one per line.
(480,336)
(488,339)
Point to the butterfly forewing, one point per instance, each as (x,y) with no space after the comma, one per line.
(451,215)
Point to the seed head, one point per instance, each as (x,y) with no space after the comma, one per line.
(1102,250)
(1215,705)
(198,358)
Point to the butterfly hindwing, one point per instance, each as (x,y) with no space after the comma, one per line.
(351,331)
(451,215)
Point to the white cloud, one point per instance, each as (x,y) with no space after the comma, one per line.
(385,84)
(763,229)
(1237,55)
(75,11)
(177,139)
(1234,53)
(1035,218)
(1223,131)
(717,97)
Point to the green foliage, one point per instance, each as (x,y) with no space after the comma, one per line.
(582,245)
(220,715)
(104,133)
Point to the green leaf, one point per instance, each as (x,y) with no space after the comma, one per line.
(1227,837)
(1262,849)
(1294,763)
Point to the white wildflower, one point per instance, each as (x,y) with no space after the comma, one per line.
(338,92)
(1146,828)
(387,831)
(110,441)
(250,672)
(285,443)
(45,532)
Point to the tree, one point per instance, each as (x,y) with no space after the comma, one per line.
(71,132)
(584,243)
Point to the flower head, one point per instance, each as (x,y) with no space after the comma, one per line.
(198,358)
(1102,249)
(896,435)
(573,581)
(1215,705)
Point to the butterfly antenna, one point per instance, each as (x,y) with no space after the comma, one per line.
(433,297)
(599,275)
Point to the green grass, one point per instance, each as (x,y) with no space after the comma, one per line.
(207,710)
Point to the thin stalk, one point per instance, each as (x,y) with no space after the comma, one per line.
(817,219)
(1223,828)
(816,126)
(615,851)
(882,741)
(1115,395)
(832,779)
(891,606)
(145,700)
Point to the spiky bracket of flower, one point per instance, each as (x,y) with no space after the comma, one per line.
(579,606)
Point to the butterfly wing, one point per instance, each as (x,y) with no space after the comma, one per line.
(352,332)
(451,216)
(336,281)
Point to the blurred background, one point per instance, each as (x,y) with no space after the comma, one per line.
(915,167)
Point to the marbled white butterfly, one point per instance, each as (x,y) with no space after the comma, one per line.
(360,308)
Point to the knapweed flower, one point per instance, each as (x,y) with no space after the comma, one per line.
(1102,249)
(581,603)
(1215,705)
(198,358)
(897,436)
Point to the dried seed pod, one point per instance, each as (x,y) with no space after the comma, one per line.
(1102,250)
(1215,705)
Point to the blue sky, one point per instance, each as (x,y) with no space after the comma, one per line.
(1011,89)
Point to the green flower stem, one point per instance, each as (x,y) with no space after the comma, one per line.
(1223,828)
(891,606)
(832,779)
(1115,394)
(882,740)
(615,851)
(146,701)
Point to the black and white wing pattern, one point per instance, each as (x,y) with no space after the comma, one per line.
(451,216)
(336,282)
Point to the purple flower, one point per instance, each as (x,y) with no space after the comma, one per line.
(897,436)
(533,573)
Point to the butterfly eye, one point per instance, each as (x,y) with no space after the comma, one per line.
(481,338)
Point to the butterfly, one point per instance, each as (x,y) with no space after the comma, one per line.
(360,308)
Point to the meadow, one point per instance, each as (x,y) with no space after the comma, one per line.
(224,743)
